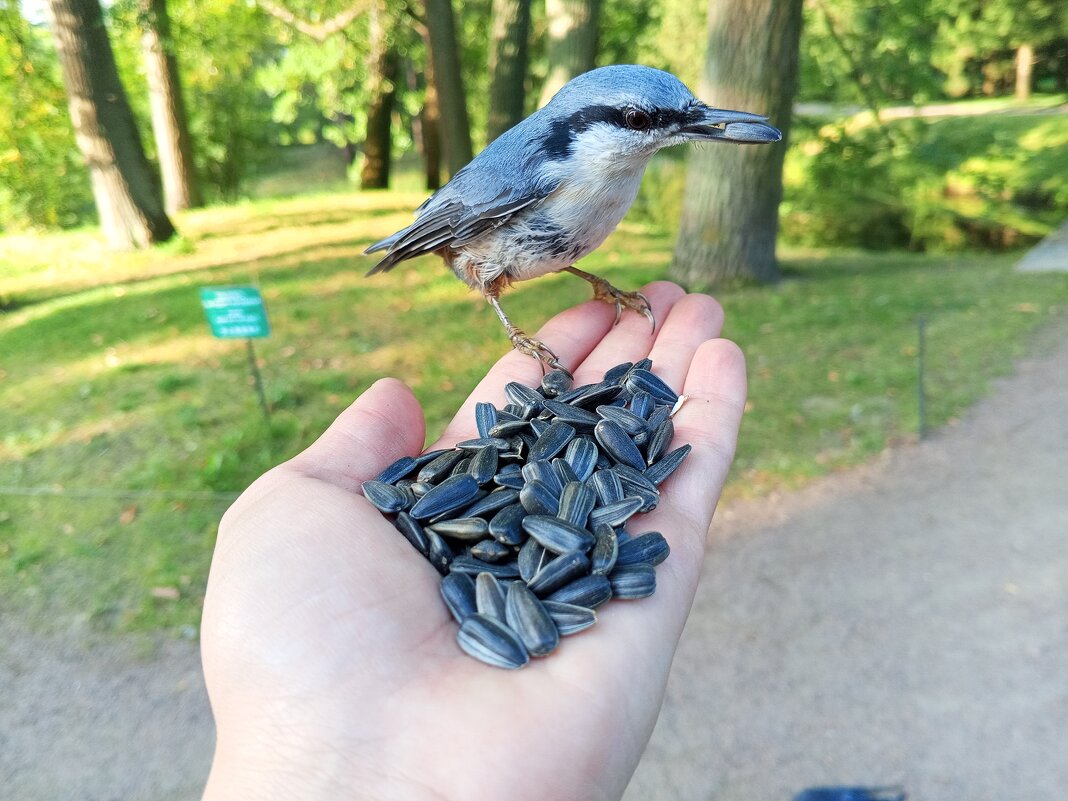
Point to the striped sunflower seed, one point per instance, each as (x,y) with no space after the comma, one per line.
(492,503)
(631,423)
(464,563)
(500,443)
(580,419)
(588,591)
(564,471)
(385,497)
(462,528)
(439,467)
(618,444)
(642,404)
(659,472)
(560,571)
(557,535)
(581,454)
(553,440)
(605,550)
(510,475)
(485,418)
(413,532)
(489,597)
(521,394)
(527,617)
(659,442)
(642,379)
(543,471)
(438,552)
(616,514)
(507,525)
(538,499)
(633,581)
(576,503)
(607,485)
(458,590)
(650,547)
(595,395)
(453,493)
(483,465)
(555,382)
(401,468)
(530,559)
(508,428)
(489,550)
(491,642)
(569,618)
(615,375)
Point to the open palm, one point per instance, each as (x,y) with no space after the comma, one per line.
(331,661)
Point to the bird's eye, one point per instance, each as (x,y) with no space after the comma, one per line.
(637,120)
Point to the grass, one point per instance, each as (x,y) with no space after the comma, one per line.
(109,378)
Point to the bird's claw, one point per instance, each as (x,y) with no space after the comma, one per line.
(636,301)
(537,349)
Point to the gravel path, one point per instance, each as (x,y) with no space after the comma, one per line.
(905,622)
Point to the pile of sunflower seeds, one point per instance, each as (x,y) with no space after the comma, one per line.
(526,523)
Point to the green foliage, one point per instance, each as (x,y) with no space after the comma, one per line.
(950,184)
(42,180)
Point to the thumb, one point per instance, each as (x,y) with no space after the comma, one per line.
(382,425)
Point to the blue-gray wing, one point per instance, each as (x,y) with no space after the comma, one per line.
(471,204)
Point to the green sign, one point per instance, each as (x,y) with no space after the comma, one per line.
(235,312)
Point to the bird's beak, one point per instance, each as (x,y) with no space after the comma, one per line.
(721,125)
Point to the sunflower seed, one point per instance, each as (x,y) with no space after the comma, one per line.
(538,498)
(420,488)
(509,412)
(616,514)
(576,503)
(560,571)
(529,619)
(500,443)
(521,394)
(615,375)
(581,454)
(385,497)
(439,553)
(607,485)
(413,532)
(490,550)
(530,560)
(462,528)
(441,466)
(642,379)
(451,494)
(658,416)
(557,535)
(485,418)
(569,618)
(617,444)
(510,476)
(483,465)
(572,415)
(429,456)
(659,442)
(401,468)
(642,364)
(464,563)
(632,479)
(596,394)
(506,429)
(642,404)
(554,382)
(491,642)
(552,441)
(564,471)
(458,590)
(507,525)
(630,422)
(633,581)
(543,471)
(491,503)
(489,597)
(588,591)
(461,466)
(650,547)
(659,472)
(605,550)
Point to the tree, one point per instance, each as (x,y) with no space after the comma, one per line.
(384,65)
(127,197)
(730,213)
(507,65)
(174,145)
(572,47)
(448,80)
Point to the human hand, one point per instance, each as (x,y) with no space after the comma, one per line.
(331,660)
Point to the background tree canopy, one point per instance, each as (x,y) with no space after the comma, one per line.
(263,79)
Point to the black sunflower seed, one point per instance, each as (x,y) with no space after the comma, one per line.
(401,468)
(560,571)
(485,418)
(464,563)
(576,503)
(458,590)
(483,465)
(615,375)
(572,415)
(605,550)
(616,514)
(462,528)
(500,443)
(668,464)
(511,476)
(627,420)
(633,581)
(543,471)
(642,404)
(581,454)
(659,442)
(531,559)
(489,597)
(557,535)
(607,485)
(650,547)
(492,503)
(439,467)
(508,428)
(521,394)
(413,532)
(451,494)
(439,553)
(507,525)
(553,440)
(588,591)
(642,379)
(595,395)
(531,621)
(564,471)
(570,619)
(617,444)
(491,642)
(385,497)
(555,382)
(538,498)
(490,550)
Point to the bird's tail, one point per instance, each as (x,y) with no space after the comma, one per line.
(384,244)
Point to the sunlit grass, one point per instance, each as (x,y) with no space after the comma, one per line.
(110,379)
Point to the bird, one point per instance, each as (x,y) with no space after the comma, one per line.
(550,190)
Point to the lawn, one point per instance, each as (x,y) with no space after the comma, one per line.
(110,381)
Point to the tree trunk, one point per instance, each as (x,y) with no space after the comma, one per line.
(572,49)
(507,65)
(169,122)
(1025,66)
(730,214)
(384,64)
(127,197)
(448,80)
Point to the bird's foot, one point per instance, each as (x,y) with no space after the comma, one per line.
(604,291)
(524,343)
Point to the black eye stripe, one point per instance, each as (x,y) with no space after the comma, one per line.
(557,143)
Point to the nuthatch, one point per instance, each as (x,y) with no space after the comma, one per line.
(550,190)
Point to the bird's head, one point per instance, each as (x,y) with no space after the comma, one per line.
(625,113)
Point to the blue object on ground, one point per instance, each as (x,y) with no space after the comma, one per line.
(896,793)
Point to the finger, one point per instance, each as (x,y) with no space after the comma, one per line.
(572,334)
(709,421)
(382,425)
(692,321)
(632,338)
